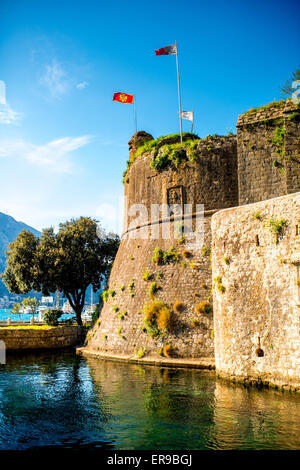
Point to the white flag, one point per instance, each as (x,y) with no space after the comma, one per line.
(189,115)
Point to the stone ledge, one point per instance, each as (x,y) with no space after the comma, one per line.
(194,363)
(29,339)
(263,381)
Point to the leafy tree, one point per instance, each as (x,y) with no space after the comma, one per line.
(16,310)
(287,89)
(31,303)
(80,254)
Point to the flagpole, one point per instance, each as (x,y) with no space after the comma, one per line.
(179,98)
(135,113)
(193,122)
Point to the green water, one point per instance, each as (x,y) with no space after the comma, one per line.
(58,399)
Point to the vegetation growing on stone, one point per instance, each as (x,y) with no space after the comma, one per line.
(168,350)
(203,307)
(112,292)
(178,306)
(153,289)
(278,140)
(195,322)
(158,318)
(157,255)
(257,215)
(219,285)
(226,260)
(140,352)
(115,308)
(186,253)
(159,275)
(193,265)
(147,275)
(277,227)
(273,104)
(204,250)
(131,288)
(105,295)
(294,117)
(165,257)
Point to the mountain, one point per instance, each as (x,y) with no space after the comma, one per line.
(9,230)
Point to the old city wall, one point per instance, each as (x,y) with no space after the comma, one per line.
(210,180)
(256,271)
(268,143)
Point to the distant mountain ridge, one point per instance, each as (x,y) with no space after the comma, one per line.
(9,230)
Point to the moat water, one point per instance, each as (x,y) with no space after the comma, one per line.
(59,399)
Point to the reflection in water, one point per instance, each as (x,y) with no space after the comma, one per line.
(60,399)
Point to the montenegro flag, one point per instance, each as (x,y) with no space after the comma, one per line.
(123,98)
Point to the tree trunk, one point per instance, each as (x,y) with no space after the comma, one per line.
(78,316)
(76,301)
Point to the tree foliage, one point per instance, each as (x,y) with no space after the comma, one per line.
(80,254)
(287,89)
(31,303)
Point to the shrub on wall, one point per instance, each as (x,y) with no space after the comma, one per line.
(178,306)
(153,289)
(203,307)
(158,318)
(277,227)
(165,257)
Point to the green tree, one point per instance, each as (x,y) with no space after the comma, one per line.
(80,254)
(287,89)
(16,310)
(31,303)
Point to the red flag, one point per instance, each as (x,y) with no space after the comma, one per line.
(168,50)
(123,98)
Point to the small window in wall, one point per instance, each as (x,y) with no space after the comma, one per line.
(297,230)
(257,240)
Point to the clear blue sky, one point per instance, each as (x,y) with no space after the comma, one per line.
(63,142)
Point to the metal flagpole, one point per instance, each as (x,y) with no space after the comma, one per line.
(135,113)
(179,98)
(193,122)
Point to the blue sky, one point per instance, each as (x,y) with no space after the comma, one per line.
(63,142)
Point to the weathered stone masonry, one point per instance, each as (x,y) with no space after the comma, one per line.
(255,282)
(268,144)
(17,339)
(211,181)
(260,307)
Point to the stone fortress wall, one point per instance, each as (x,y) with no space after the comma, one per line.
(257,317)
(212,181)
(261,163)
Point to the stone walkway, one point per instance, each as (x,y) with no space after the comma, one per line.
(194,363)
